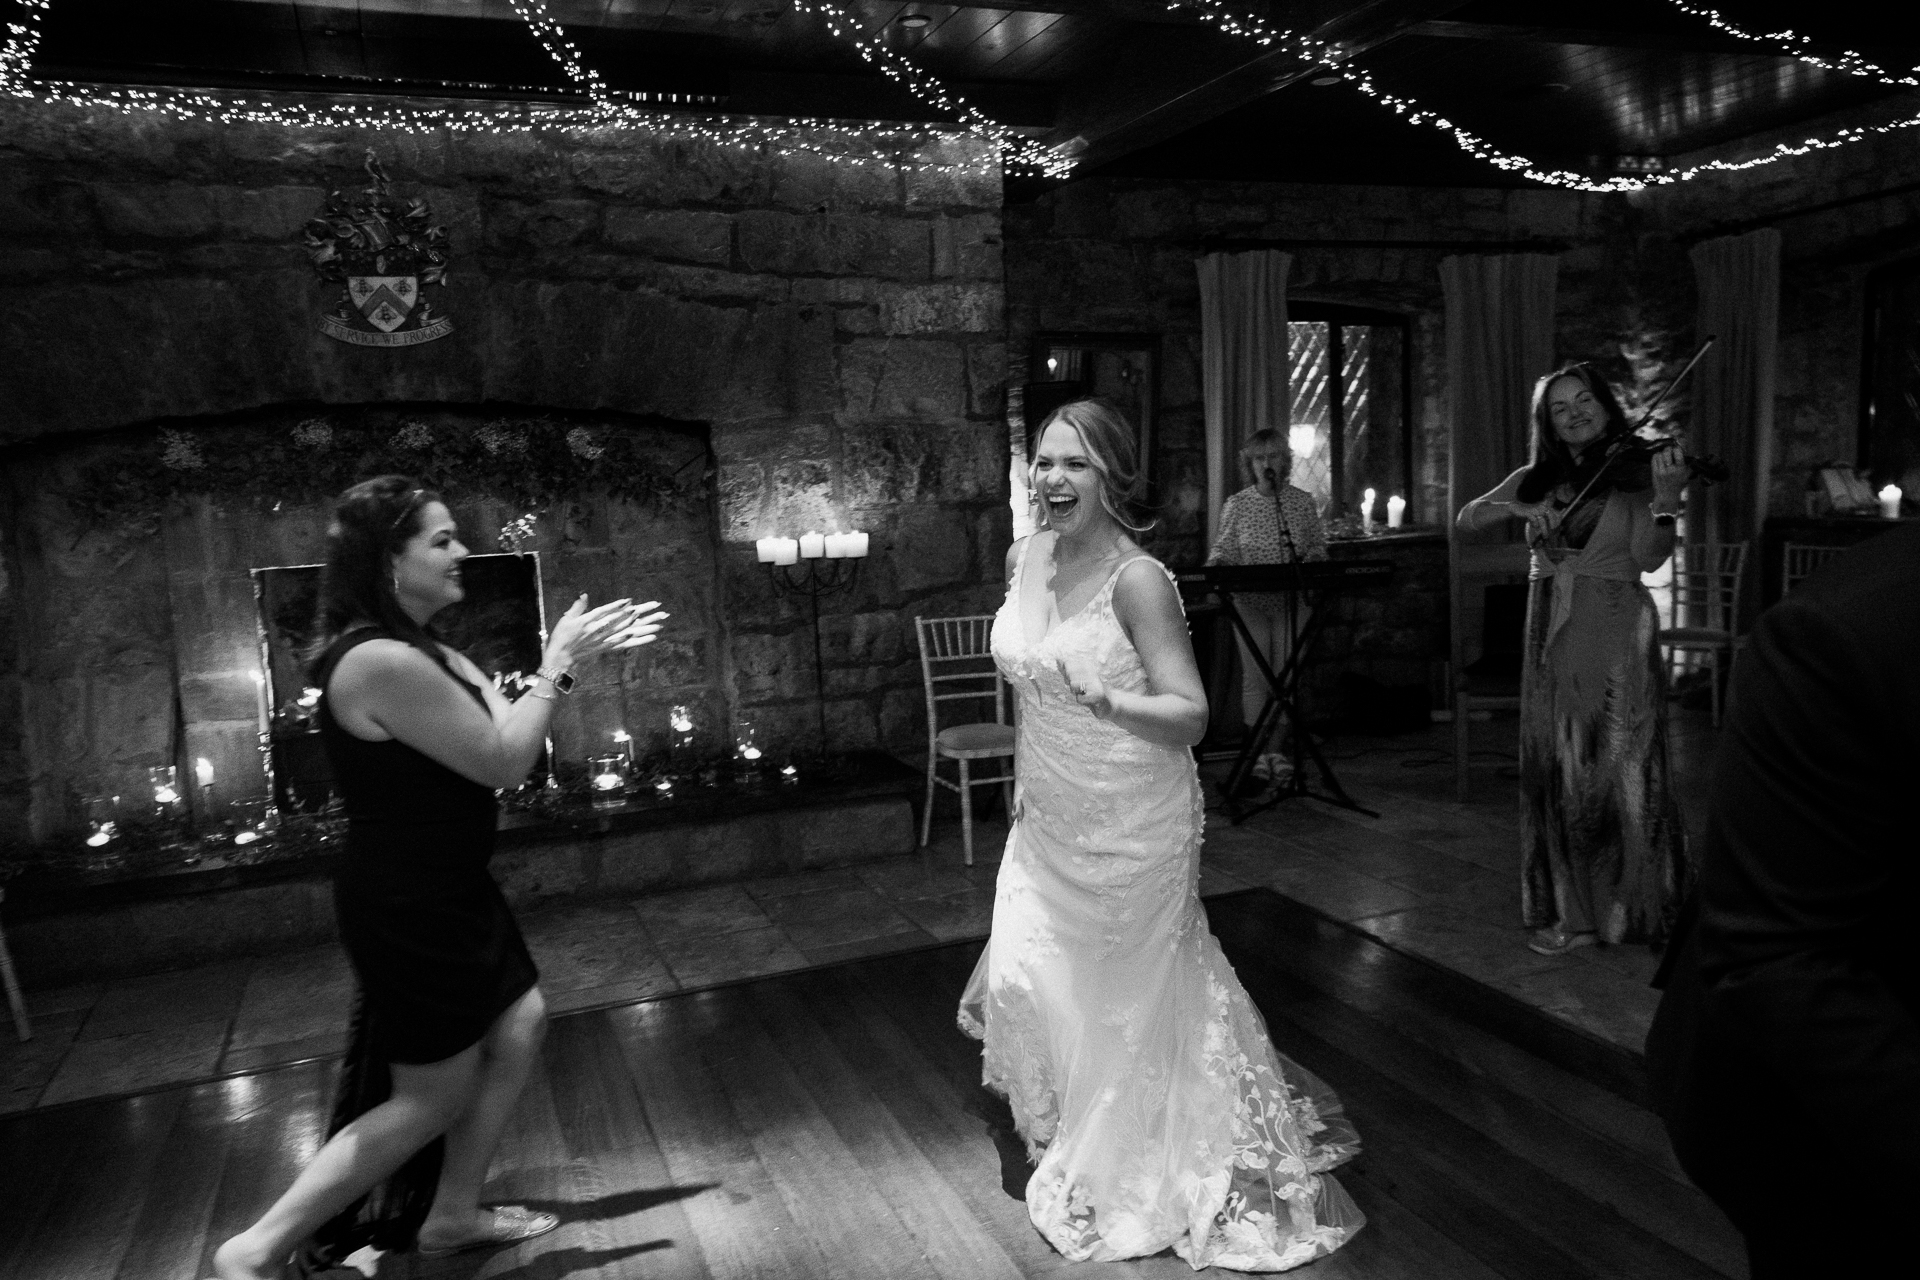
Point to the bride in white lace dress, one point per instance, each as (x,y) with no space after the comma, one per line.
(1139,1072)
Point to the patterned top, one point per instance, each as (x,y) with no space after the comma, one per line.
(1249,533)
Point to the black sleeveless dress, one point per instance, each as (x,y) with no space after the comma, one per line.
(433,945)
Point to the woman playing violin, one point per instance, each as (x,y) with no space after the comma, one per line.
(1603,846)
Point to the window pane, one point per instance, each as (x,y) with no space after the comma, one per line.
(1375,441)
(1308,388)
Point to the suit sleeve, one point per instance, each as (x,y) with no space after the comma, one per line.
(1798,930)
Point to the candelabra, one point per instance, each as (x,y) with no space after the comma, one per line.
(812,578)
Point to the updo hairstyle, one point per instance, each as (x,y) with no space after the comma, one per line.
(1109,441)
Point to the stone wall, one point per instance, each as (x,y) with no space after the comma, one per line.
(836,329)
(1118,255)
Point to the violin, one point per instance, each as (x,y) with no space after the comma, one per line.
(1626,463)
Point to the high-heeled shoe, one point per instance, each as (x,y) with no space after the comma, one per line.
(1555,941)
(512,1224)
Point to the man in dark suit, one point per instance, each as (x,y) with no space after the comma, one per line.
(1785,1055)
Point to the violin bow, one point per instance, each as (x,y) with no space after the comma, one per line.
(1646,416)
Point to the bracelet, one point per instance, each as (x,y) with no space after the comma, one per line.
(544,697)
(562,681)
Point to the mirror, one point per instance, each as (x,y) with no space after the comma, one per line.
(501,625)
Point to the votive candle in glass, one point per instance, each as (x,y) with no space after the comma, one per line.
(1890,502)
(1396,511)
(1366,510)
(607,781)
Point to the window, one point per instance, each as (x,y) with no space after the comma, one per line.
(1352,405)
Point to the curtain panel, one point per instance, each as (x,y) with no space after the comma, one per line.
(1243,360)
(1499,340)
(1738,282)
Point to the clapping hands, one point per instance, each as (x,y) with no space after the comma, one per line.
(584,633)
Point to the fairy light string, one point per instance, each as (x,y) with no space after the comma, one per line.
(1797,46)
(1332,58)
(604,108)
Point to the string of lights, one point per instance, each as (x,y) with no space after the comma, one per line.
(1018,152)
(601,109)
(1847,61)
(1332,57)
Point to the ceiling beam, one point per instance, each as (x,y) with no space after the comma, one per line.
(1163,83)
(1704,40)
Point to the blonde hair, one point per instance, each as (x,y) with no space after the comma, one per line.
(1265,438)
(1108,438)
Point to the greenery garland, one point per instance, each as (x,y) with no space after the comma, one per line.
(532,461)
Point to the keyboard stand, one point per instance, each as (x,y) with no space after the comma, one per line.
(1283,694)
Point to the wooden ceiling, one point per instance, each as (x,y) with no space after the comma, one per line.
(1133,87)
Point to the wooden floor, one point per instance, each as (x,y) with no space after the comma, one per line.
(827,1124)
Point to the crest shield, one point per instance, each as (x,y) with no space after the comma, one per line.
(384,300)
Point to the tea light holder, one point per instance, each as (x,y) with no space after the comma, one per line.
(163,784)
(607,779)
(252,821)
(103,820)
(746,747)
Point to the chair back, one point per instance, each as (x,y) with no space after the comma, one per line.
(956,665)
(1798,561)
(1474,564)
(1706,584)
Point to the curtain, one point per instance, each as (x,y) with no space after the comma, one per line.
(1738,281)
(1243,360)
(1499,340)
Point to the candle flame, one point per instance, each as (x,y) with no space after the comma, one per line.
(203,771)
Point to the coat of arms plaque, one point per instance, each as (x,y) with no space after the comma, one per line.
(385,254)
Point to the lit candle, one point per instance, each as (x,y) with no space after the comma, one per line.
(767,550)
(681,720)
(260,700)
(812,545)
(782,550)
(624,740)
(1396,511)
(856,545)
(1890,502)
(203,772)
(1366,510)
(837,546)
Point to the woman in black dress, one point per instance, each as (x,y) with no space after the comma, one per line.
(449,1015)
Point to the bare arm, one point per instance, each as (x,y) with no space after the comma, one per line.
(1652,543)
(1498,504)
(1174,711)
(389,689)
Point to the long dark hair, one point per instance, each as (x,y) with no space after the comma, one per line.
(372,522)
(1550,463)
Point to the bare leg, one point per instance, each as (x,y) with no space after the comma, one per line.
(426,1100)
(506,1057)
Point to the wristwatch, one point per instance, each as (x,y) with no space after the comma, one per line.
(562,681)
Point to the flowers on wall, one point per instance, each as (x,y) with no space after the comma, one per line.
(529,460)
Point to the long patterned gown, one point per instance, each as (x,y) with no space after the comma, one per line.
(1139,1072)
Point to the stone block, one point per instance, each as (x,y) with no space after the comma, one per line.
(852,725)
(929,547)
(773,666)
(953,171)
(835,244)
(890,466)
(275,214)
(636,862)
(853,833)
(802,496)
(60,212)
(724,288)
(987,379)
(532,874)
(903,719)
(866,640)
(676,235)
(174,211)
(885,378)
(808,182)
(514,227)
(968,247)
(743,502)
(941,308)
(1083,210)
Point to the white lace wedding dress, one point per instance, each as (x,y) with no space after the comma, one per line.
(1139,1072)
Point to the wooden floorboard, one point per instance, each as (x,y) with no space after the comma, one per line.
(831,1124)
